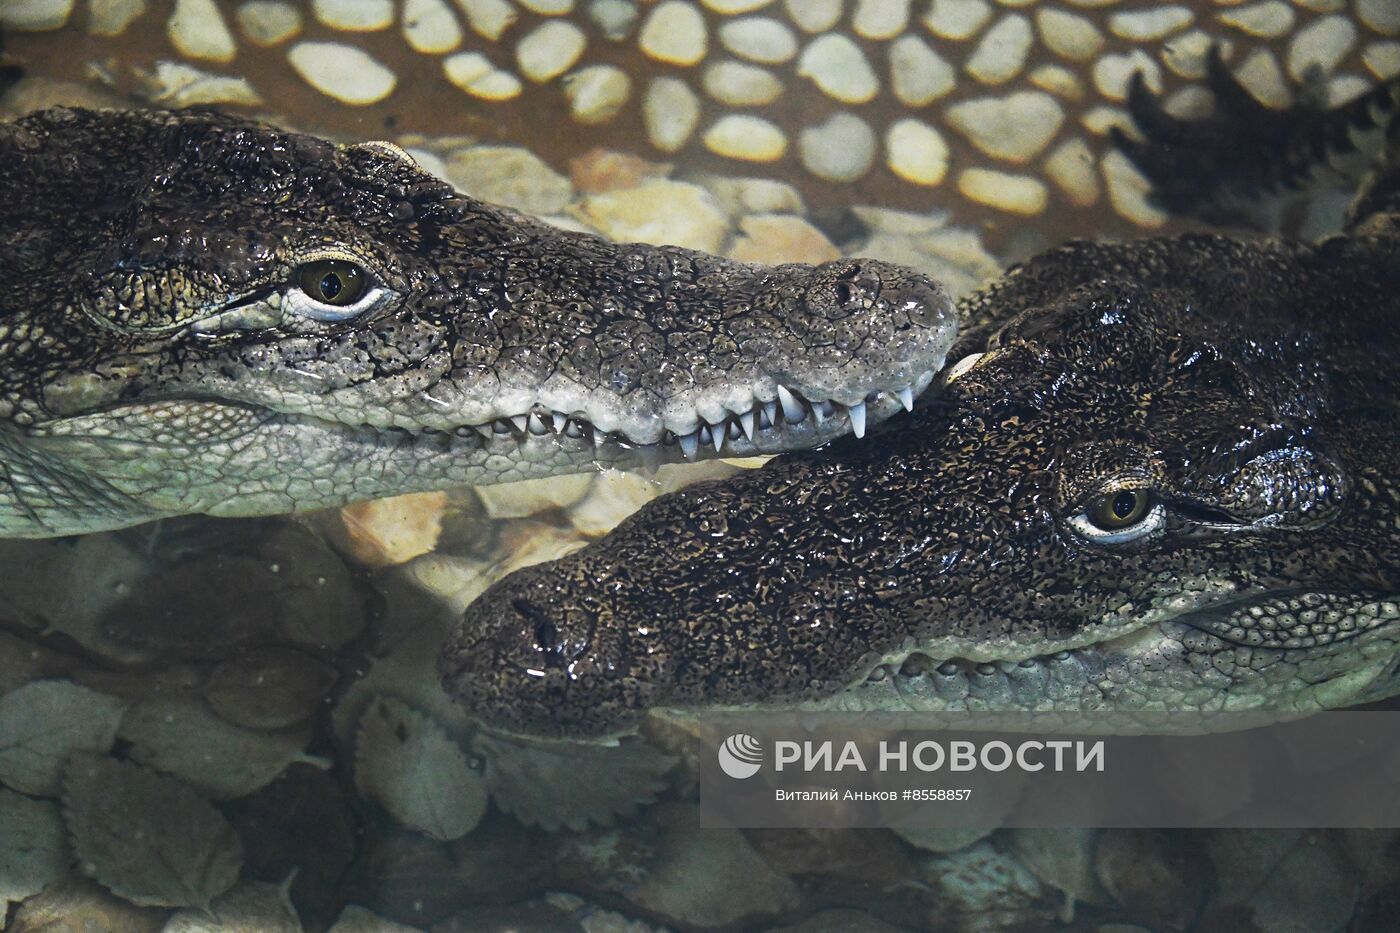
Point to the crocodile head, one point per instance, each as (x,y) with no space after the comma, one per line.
(1163,477)
(203,314)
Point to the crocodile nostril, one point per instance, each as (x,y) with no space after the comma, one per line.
(845,293)
(547,636)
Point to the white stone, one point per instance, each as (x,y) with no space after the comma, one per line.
(741,85)
(957,19)
(1071,167)
(774,239)
(675,32)
(182,85)
(1112,73)
(880,19)
(1320,44)
(670,111)
(1269,19)
(1095,4)
(1059,81)
(1261,76)
(1068,35)
(354,15)
(1186,54)
(430,27)
(734,7)
(1001,54)
(1343,89)
(916,152)
(111,17)
(198,30)
(1014,128)
(747,138)
(837,65)
(547,7)
(1190,103)
(813,15)
(1128,190)
(841,149)
(268,22)
(613,496)
(1015,194)
(658,211)
(489,18)
(614,18)
(597,93)
(918,74)
(1381,15)
(344,72)
(533,496)
(759,39)
(1150,24)
(1099,120)
(1382,59)
(35,15)
(511,176)
(549,50)
(474,73)
(1320,6)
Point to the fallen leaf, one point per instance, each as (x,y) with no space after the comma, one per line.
(44,722)
(147,837)
(409,764)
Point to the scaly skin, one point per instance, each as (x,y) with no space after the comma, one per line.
(160,353)
(1242,394)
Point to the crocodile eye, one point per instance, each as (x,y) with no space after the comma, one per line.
(1120,516)
(333,282)
(1118,510)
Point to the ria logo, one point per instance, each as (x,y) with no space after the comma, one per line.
(740,756)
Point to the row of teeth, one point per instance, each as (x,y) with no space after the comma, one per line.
(919,664)
(764,416)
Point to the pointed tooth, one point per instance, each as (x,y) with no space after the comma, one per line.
(703,434)
(501,426)
(536,424)
(573,428)
(857,415)
(484,430)
(792,408)
(718,432)
(560,419)
(649,457)
(746,422)
(906,397)
(690,444)
(519,422)
(770,414)
(818,412)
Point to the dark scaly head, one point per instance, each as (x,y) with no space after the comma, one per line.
(1127,498)
(207,314)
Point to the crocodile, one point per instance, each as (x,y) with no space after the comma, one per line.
(204,314)
(1164,474)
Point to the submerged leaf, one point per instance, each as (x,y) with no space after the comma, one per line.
(183,738)
(407,763)
(148,838)
(44,722)
(554,783)
(33,854)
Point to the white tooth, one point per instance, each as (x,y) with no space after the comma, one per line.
(718,431)
(818,413)
(746,422)
(857,415)
(484,430)
(703,434)
(649,458)
(519,422)
(906,397)
(537,425)
(560,419)
(792,408)
(501,426)
(770,412)
(690,444)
